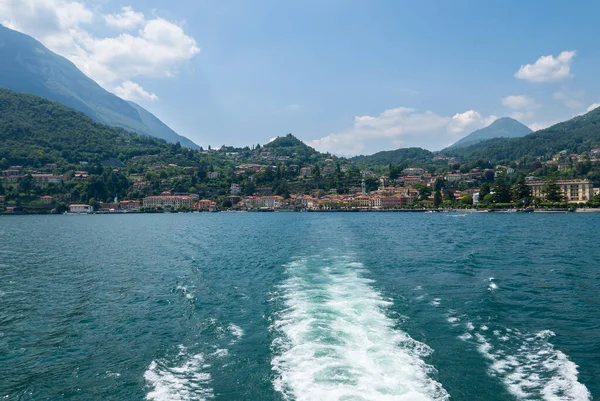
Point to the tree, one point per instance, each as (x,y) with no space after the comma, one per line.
(317,172)
(424,190)
(248,188)
(552,191)
(26,183)
(466,199)
(501,192)
(521,191)
(437,199)
(488,175)
(484,190)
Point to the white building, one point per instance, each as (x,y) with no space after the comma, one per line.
(169,202)
(80,208)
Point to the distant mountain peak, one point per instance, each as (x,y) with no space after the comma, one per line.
(27,66)
(285,142)
(504,127)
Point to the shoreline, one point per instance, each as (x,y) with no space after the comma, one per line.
(425,211)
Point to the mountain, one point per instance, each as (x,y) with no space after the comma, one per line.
(28,66)
(413,156)
(35,131)
(578,135)
(504,127)
(160,129)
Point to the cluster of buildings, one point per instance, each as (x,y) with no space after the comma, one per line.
(43,176)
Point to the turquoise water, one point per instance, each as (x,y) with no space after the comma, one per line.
(300,306)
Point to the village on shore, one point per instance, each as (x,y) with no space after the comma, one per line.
(415,189)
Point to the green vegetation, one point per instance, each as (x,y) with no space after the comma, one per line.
(28,66)
(403,157)
(574,136)
(42,136)
(35,131)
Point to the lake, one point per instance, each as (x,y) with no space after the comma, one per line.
(300,306)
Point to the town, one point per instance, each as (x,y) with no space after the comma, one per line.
(156,187)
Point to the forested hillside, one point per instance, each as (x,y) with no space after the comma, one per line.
(577,135)
(35,131)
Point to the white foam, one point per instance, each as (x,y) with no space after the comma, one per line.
(184,380)
(237,331)
(530,367)
(453,319)
(221,353)
(334,340)
(435,302)
(184,290)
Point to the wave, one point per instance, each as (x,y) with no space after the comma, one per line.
(528,364)
(184,380)
(335,341)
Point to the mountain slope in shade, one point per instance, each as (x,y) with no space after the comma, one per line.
(160,129)
(504,127)
(27,66)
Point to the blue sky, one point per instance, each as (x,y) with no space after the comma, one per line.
(348,77)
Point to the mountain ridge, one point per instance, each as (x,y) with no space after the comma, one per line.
(29,67)
(582,134)
(504,127)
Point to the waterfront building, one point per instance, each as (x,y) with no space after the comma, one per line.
(129,204)
(206,205)
(572,190)
(169,202)
(80,208)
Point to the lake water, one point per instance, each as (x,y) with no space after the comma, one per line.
(300,306)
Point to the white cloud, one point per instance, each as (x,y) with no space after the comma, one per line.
(127,19)
(593,107)
(517,102)
(154,50)
(571,99)
(523,106)
(401,127)
(548,68)
(131,91)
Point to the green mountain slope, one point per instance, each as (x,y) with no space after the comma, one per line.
(504,127)
(35,131)
(577,135)
(413,156)
(28,66)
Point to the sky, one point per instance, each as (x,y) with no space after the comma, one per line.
(346,76)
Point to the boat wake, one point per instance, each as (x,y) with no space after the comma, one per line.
(335,342)
(184,379)
(528,364)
